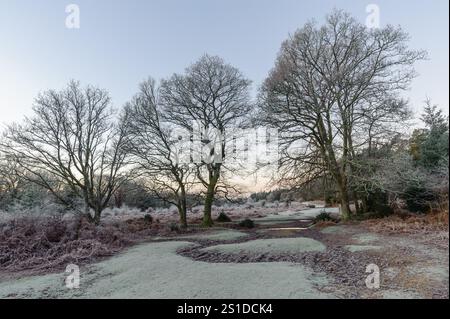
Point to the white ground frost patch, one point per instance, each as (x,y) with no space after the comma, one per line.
(225,235)
(338,229)
(364,242)
(154,270)
(270,246)
(292,215)
(365,238)
(356,248)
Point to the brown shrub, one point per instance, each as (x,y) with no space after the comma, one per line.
(324,223)
(48,243)
(407,223)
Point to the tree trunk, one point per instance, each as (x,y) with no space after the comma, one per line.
(183,218)
(345,203)
(182,208)
(87,212)
(364,203)
(345,207)
(97,215)
(207,220)
(358,207)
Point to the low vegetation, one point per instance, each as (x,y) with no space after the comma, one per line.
(39,244)
(247,223)
(411,223)
(223,218)
(323,217)
(336,98)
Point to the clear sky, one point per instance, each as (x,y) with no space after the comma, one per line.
(119,43)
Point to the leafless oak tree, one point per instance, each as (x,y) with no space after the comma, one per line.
(72,139)
(155,149)
(214,96)
(331,90)
(9,178)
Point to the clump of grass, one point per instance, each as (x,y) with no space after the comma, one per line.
(247,223)
(223,218)
(323,217)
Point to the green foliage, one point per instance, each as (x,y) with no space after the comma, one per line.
(430,145)
(223,218)
(135,194)
(377,202)
(274,196)
(247,223)
(434,148)
(330,198)
(415,143)
(323,216)
(148,218)
(174,227)
(418,198)
(259,196)
(429,149)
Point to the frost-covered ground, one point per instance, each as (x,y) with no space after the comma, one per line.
(268,246)
(280,258)
(167,215)
(155,271)
(253,210)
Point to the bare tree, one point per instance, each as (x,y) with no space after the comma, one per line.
(71,139)
(213,96)
(10,180)
(331,84)
(155,149)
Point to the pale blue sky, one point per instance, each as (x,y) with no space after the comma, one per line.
(122,42)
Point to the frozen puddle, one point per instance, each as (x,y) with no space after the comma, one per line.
(154,270)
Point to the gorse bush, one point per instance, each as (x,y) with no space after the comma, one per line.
(247,223)
(419,199)
(377,203)
(223,218)
(323,217)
